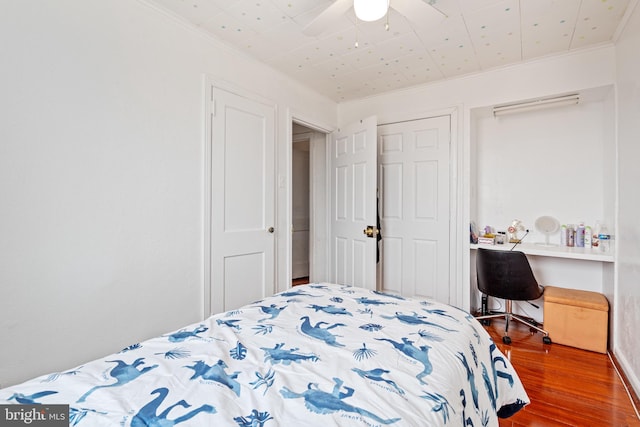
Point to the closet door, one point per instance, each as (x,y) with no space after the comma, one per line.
(414,186)
(242,200)
(353,206)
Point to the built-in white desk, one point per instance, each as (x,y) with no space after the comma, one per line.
(561,266)
(594,254)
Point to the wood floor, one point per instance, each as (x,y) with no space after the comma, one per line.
(300,281)
(567,386)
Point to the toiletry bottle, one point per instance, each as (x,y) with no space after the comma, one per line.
(563,235)
(580,232)
(588,237)
(596,235)
(571,235)
(604,239)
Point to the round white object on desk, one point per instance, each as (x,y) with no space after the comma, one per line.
(547,225)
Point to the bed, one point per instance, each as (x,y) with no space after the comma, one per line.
(315,355)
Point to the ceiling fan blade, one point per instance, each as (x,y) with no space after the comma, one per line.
(327,16)
(419,12)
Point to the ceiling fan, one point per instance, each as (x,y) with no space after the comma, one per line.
(419,12)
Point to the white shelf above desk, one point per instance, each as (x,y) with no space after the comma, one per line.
(553,251)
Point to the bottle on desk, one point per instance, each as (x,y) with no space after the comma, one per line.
(571,235)
(580,232)
(595,239)
(588,237)
(604,239)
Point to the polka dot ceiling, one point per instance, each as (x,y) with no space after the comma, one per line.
(476,35)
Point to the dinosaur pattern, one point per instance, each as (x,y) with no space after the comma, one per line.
(372,301)
(183,334)
(31,399)
(376,375)
(415,319)
(419,354)
(148,415)
(123,373)
(229,323)
(330,309)
(318,332)
(217,373)
(272,310)
(322,402)
(317,355)
(278,354)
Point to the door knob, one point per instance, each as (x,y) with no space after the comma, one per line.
(371,231)
(271,230)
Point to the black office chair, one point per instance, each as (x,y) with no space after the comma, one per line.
(508,275)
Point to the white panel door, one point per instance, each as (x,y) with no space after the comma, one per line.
(414,159)
(242,200)
(353,206)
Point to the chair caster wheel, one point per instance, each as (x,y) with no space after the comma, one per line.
(486,322)
(506,340)
(546,339)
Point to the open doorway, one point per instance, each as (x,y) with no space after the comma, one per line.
(309,202)
(300,214)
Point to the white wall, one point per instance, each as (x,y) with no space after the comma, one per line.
(101,174)
(547,162)
(627,319)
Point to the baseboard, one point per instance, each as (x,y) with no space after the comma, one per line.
(627,384)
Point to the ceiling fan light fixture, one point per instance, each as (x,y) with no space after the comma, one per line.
(370,10)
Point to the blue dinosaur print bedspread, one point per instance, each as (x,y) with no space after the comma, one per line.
(316,355)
